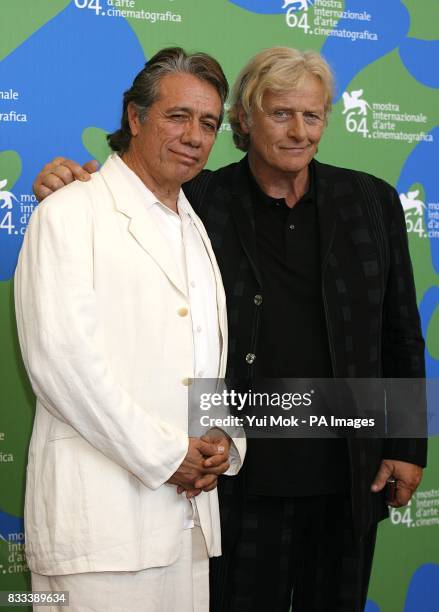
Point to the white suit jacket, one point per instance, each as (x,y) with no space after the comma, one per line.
(98,305)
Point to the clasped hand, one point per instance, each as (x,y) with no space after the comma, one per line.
(207,457)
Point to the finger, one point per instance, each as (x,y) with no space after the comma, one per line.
(220,469)
(192,493)
(211,487)
(381,478)
(209,449)
(66,169)
(409,478)
(76,171)
(53,164)
(41,191)
(403,496)
(64,173)
(221,449)
(206,481)
(180,489)
(51,181)
(187,480)
(91,166)
(211,438)
(215,439)
(45,185)
(215,461)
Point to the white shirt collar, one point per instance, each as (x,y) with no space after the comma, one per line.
(147,195)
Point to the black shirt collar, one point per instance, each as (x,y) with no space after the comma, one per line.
(262,199)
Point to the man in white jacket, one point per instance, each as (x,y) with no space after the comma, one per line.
(119,305)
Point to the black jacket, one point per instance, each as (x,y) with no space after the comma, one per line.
(368,293)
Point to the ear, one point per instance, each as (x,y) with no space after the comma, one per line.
(243,122)
(133,119)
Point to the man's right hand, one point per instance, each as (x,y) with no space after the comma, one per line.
(60,172)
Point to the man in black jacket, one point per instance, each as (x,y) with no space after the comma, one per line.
(317,272)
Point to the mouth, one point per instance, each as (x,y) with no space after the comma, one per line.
(185,156)
(297,149)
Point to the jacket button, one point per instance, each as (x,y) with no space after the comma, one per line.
(186,382)
(182,312)
(250,357)
(257,299)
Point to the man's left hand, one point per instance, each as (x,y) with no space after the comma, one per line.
(214,465)
(408,476)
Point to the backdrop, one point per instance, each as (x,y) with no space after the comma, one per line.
(63,67)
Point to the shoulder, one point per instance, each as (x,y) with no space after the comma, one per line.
(205,183)
(70,206)
(376,197)
(330,173)
(364,189)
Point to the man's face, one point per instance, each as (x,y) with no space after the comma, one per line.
(284,135)
(174,140)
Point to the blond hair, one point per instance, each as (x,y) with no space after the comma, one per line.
(279,69)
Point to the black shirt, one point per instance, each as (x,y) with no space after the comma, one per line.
(292,343)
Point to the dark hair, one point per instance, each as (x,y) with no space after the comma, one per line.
(145,88)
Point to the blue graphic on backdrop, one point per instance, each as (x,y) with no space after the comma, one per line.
(60,106)
(271,7)
(422,594)
(11,527)
(423,591)
(421,58)
(390,21)
(371,606)
(421,167)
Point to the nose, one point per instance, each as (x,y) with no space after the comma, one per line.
(192,134)
(296,127)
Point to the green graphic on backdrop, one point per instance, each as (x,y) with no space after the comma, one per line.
(433,332)
(22,18)
(95,142)
(405,542)
(385,83)
(358,136)
(423,19)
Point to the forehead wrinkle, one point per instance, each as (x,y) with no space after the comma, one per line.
(312,94)
(295,108)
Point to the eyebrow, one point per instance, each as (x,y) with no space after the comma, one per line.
(188,110)
(308,109)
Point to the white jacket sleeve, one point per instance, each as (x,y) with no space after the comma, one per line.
(58,331)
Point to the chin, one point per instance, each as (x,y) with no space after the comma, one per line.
(288,163)
(289,168)
(298,164)
(186,174)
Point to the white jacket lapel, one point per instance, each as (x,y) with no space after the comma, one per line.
(142,224)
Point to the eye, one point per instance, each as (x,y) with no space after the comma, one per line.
(178,116)
(281,115)
(312,118)
(209,126)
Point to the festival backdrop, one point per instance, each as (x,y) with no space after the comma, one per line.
(63,67)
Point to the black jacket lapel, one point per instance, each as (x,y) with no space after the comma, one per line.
(242,212)
(327,206)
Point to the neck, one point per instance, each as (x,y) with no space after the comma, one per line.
(290,186)
(167,194)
